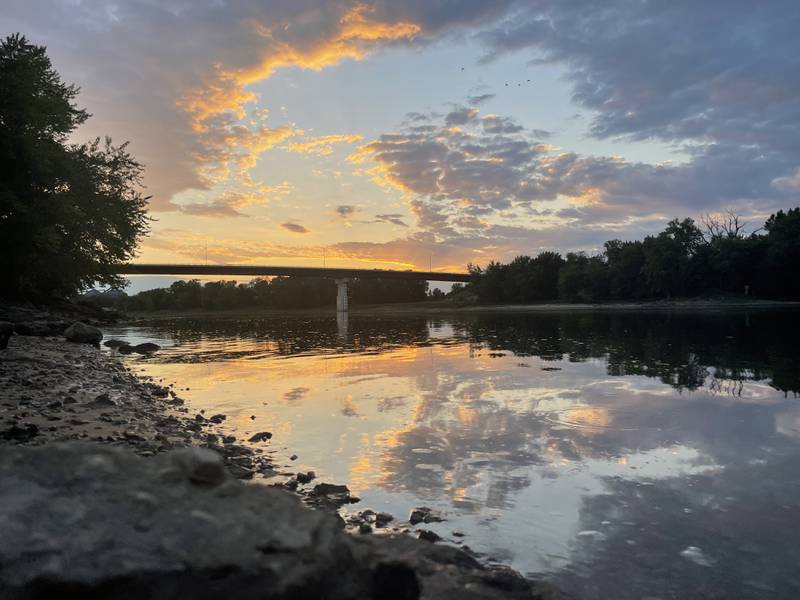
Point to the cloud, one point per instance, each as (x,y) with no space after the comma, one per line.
(393,218)
(228,203)
(711,70)
(174,77)
(294,227)
(489,179)
(345,211)
(323,145)
(460,116)
(480,99)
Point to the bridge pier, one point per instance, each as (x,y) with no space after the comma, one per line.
(341,295)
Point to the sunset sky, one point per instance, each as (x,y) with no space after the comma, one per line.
(397,133)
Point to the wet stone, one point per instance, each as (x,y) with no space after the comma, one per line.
(200,465)
(306,477)
(82,333)
(429,536)
(423,514)
(261,436)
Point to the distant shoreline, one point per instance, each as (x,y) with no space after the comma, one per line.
(445,307)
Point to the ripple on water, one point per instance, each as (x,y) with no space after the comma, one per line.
(592,418)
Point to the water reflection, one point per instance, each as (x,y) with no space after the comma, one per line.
(594,448)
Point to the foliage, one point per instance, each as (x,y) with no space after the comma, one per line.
(278,292)
(682,260)
(68,212)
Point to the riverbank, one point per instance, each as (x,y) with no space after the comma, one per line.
(55,391)
(447,307)
(67,409)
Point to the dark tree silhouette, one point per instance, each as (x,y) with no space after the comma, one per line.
(682,260)
(68,212)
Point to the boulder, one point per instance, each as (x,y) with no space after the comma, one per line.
(81,333)
(6,331)
(146,348)
(261,436)
(118,526)
(115,343)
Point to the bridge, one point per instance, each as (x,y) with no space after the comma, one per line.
(341,276)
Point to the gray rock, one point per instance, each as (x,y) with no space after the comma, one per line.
(261,436)
(103,400)
(81,333)
(429,536)
(331,489)
(305,477)
(423,514)
(21,434)
(146,348)
(119,527)
(200,465)
(6,331)
(115,343)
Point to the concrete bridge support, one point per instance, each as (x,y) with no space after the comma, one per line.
(341,295)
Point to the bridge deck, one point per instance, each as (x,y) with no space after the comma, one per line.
(263,271)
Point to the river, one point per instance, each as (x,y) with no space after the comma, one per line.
(618,455)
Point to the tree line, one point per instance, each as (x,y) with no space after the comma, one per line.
(684,260)
(278,292)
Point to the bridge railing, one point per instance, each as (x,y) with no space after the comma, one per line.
(277,271)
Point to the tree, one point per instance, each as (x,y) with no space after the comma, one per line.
(783,252)
(68,212)
(625,263)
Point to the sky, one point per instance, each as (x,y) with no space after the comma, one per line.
(432,133)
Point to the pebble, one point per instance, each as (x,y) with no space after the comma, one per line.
(429,536)
(201,465)
(423,514)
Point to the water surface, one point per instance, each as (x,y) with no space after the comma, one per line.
(624,455)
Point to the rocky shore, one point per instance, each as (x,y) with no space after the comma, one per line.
(82,512)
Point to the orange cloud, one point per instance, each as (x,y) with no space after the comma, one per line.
(323,145)
(228,145)
(228,203)
(225,93)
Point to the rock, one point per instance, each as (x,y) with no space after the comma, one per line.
(382,519)
(119,527)
(331,489)
(305,477)
(429,536)
(80,333)
(21,434)
(103,400)
(34,328)
(228,439)
(217,419)
(125,349)
(364,528)
(6,331)
(262,436)
(423,514)
(145,348)
(115,343)
(201,465)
